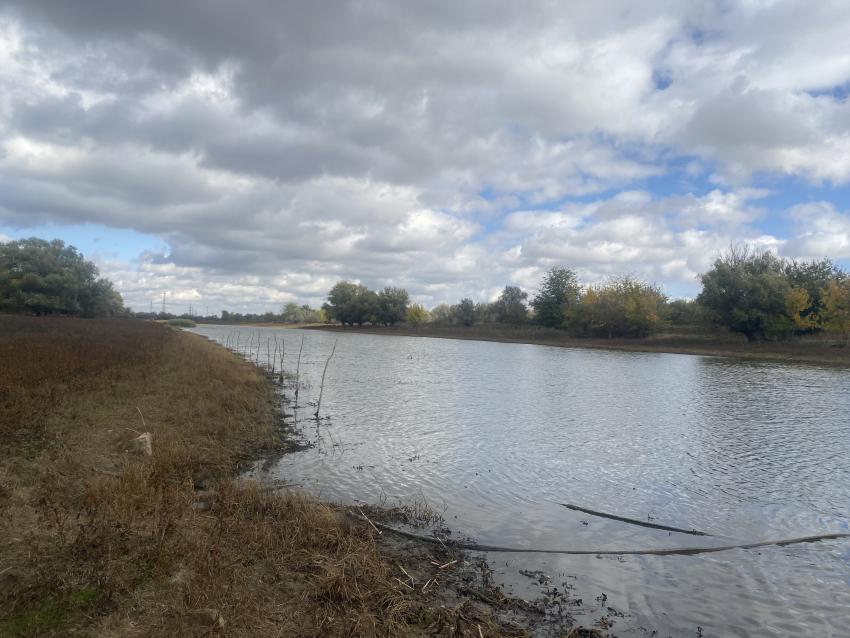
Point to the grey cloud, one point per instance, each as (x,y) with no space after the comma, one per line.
(355,139)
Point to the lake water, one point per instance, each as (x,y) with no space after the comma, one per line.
(502,435)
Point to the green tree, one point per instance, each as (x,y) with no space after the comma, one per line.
(351,303)
(393,304)
(516,314)
(746,290)
(465,312)
(46,277)
(683,312)
(558,292)
(293,313)
(511,296)
(442,313)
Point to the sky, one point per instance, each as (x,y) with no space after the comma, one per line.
(240,155)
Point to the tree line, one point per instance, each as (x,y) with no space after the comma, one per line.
(750,291)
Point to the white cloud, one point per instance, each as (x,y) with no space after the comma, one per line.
(821,231)
(450,148)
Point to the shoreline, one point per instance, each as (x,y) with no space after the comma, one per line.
(124,512)
(811,352)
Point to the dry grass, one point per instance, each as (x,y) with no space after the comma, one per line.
(97,538)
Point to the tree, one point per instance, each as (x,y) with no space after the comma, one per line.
(516,314)
(393,305)
(293,313)
(99,299)
(487,312)
(683,312)
(351,303)
(45,277)
(746,290)
(367,307)
(510,295)
(442,313)
(465,312)
(836,306)
(340,305)
(416,314)
(624,306)
(810,281)
(558,292)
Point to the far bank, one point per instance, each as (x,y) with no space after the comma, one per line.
(813,349)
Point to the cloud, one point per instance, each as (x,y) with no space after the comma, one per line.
(821,231)
(667,240)
(449,148)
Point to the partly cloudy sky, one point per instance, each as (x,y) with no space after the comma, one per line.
(243,154)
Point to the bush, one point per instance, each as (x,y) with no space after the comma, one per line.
(182,323)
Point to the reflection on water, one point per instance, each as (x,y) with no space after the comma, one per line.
(504,434)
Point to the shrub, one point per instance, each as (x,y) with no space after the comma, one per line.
(182,323)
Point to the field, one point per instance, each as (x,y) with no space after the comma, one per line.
(100,538)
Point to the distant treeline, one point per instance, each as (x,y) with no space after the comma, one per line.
(290,313)
(750,291)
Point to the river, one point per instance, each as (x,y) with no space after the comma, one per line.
(500,437)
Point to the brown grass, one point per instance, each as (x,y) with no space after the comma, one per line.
(97,538)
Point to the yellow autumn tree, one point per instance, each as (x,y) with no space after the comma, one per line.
(835,298)
(624,306)
(798,306)
(415,314)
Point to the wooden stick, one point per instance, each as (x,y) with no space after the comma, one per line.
(370,522)
(405,584)
(298,371)
(322,387)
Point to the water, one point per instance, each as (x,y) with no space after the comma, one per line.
(502,435)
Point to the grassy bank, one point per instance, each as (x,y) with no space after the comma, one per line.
(814,349)
(98,537)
